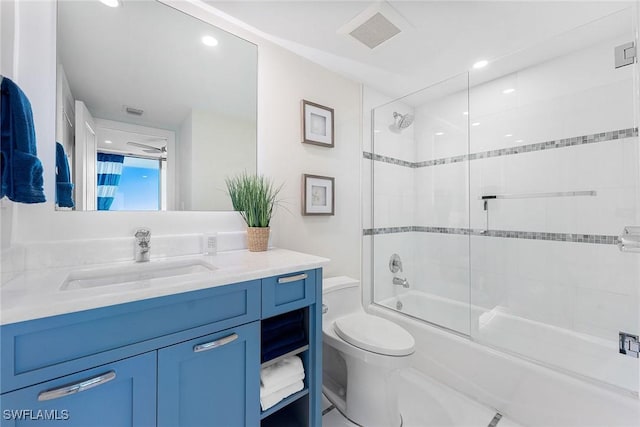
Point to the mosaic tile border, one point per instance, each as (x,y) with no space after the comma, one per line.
(386,159)
(601,239)
(547,145)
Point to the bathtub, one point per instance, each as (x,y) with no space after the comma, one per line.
(547,383)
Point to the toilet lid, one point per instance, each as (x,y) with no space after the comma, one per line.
(374,334)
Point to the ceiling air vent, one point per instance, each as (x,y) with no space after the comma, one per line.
(134,111)
(375,31)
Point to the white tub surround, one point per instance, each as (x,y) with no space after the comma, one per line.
(35,294)
(522,390)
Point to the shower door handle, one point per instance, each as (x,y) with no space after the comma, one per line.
(629,240)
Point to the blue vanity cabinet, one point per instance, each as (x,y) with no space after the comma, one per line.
(187,359)
(212,380)
(116,394)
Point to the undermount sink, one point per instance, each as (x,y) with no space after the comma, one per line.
(133,275)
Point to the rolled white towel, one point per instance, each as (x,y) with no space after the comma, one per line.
(285,382)
(272,399)
(275,376)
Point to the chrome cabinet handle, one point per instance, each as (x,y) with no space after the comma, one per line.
(283,280)
(215,344)
(85,385)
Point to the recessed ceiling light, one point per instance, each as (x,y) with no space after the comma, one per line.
(106,141)
(465,113)
(508,91)
(508,135)
(519,140)
(377,131)
(480,64)
(144,176)
(439,133)
(210,41)
(475,124)
(110,3)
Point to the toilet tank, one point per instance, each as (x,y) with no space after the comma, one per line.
(342,296)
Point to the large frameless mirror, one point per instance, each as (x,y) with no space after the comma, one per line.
(154,108)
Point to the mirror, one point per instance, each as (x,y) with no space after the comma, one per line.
(154,108)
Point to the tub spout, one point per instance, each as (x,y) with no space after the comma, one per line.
(401,282)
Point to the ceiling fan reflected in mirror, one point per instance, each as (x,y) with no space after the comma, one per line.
(147,148)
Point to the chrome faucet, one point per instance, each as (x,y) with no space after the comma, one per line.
(143,245)
(401,282)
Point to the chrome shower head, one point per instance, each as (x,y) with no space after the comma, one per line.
(402,121)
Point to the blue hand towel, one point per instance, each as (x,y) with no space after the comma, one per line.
(64,186)
(20,168)
(282,320)
(284,348)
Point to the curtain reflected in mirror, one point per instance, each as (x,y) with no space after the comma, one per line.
(150,114)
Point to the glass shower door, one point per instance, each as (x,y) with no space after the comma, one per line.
(419,168)
(554,180)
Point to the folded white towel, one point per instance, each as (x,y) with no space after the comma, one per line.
(285,382)
(272,399)
(272,376)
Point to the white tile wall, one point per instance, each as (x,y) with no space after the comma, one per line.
(384,246)
(394,196)
(442,195)
(588,288)
(573,95)
(443,115)
(442,265)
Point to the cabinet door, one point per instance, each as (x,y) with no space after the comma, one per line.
(211,381)
(117,394)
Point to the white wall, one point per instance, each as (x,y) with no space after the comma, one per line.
(286,159)
(220,146)
(284,80)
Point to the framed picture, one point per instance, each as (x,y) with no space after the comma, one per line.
(317,124)
(318,195)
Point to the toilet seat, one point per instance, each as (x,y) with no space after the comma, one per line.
(374,334)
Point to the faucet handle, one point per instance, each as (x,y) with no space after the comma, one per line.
(395,263)
(143,234)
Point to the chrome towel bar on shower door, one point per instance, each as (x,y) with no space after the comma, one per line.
(539,195)
(488,197)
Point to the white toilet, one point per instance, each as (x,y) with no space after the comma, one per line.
(362,356)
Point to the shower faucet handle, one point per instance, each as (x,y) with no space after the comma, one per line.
(395,263)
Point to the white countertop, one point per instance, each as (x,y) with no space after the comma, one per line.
(37,294)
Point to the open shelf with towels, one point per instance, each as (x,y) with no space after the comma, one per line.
(291,350)
(285,338)
(284,358)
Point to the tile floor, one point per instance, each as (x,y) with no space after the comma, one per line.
(427,403)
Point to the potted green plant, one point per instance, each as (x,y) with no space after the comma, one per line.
(254,196)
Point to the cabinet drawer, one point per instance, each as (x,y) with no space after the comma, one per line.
(37,350)
(288,292)
(116,394)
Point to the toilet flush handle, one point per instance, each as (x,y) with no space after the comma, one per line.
(324,308)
